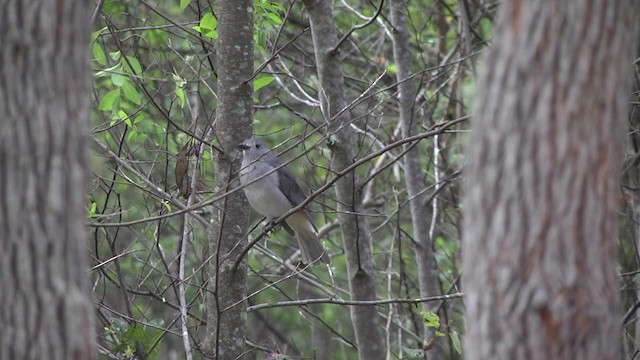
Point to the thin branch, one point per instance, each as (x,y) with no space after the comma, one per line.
(357,27)
(353,302)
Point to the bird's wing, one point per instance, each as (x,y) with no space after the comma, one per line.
(289,187)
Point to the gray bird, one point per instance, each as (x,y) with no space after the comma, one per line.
(277,193)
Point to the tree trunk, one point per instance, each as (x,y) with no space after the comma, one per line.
(45,308)
(226,332)
(360,270)
(542,182)
(413,174)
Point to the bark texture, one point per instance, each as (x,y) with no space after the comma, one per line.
(226,332)
(45,308)
(353,227)
(413,174)
(543,164)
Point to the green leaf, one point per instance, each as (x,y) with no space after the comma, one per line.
(117,79)
(184,4)
(98,54)
(106,104)
(107,71)
(93,209)
(180,94)
(392,68)
(261,82)
(275,18)
(95,34)
(130,92)
(207,26)
(140,137)
(180,83)
(124,117)
(115,55)
(135,67)
(138,118)
(431,319)
(128,352)
(208,22)
(132,133)
(455,340)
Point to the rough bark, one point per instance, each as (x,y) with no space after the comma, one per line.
(226,333)
(45,308)
(353,227)
(631,185)
(413,174)
(542,182)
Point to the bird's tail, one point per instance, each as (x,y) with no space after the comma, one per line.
(310,246)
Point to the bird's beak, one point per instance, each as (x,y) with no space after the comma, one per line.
(243,146)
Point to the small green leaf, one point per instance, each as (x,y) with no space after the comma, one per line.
(128,352)
(117,79)
(261,82)
(135,67)
(167,205)
(138,119)
(132,133)
(180,82)
(431,319)
(107,71)
(209,21)
(140,137)
(276,20)
(180,94)
(439,333)
(392,68)
(184,4)
(455,340)
(207,26)
(95,34)
(93,209)
(106,104)
(124,117)
(98,54)
(115,55)
(130,92)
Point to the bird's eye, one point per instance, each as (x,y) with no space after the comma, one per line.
(257,146)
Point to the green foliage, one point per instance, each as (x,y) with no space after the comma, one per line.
(261,82)
(126,338)
(208,25)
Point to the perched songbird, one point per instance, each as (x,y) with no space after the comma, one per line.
(275,194)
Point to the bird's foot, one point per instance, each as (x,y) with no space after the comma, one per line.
(270,228)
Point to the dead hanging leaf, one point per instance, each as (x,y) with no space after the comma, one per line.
(182,168)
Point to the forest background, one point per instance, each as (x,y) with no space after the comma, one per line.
(369,104)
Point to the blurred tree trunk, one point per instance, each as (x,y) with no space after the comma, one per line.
(360,270)
(226,333)
(542,188)
(631,178)
(45,308)
(426,262)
